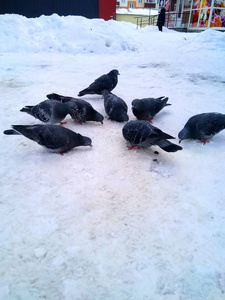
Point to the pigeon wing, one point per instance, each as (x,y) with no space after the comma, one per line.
(51,137)
(42,111)
(210,124)
(101,83)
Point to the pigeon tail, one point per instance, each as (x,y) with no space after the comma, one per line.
(10,132)
(164,101)
(168,146)
(84,92)
(159,134)
(27,109)
(60,98)
(54,96)
(25,130)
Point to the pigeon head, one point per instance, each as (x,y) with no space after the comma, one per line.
(115,72)
(135,101)
(121,116)
(98,117)
(137,104)
(183,134)
(85,141)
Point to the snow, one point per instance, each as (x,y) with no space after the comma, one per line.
(107,223)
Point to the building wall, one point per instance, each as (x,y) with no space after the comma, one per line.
(133,19)
(136,4)
(35,8)
(127,18)
(123,3)
(107,9)
(140,5)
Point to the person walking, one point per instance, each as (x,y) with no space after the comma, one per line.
(161,18)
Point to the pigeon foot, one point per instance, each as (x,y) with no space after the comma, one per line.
(204,142)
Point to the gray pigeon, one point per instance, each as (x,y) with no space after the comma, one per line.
(143,134)
(115,107)
(53,137)
(203,127)
(147,108)
(48,111)
(80,110)
(104,82)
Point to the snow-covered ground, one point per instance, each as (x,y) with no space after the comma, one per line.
(106,223)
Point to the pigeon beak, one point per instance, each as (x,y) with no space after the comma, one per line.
(102,122)
(180,141)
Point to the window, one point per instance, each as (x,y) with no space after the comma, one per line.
(140,1)
(131,5)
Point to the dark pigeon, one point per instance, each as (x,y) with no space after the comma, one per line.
(53,137)
(115,107)
(143,134)
(48,111)
(80,110)
(105,82)
(203,127)
(147,108)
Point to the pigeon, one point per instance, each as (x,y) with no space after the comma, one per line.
(48,111)
(80,110)
(104,82)
(203,127)
(53,137)
(141,133)
(115,107)
(147,108)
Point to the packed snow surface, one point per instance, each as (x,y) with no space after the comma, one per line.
(108,223)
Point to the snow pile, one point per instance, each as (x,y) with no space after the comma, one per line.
(71,34)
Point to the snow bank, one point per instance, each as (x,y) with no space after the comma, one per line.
(71,34)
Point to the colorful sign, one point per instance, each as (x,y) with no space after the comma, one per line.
(203,12)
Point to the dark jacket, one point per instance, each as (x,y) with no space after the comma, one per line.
(161,17)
